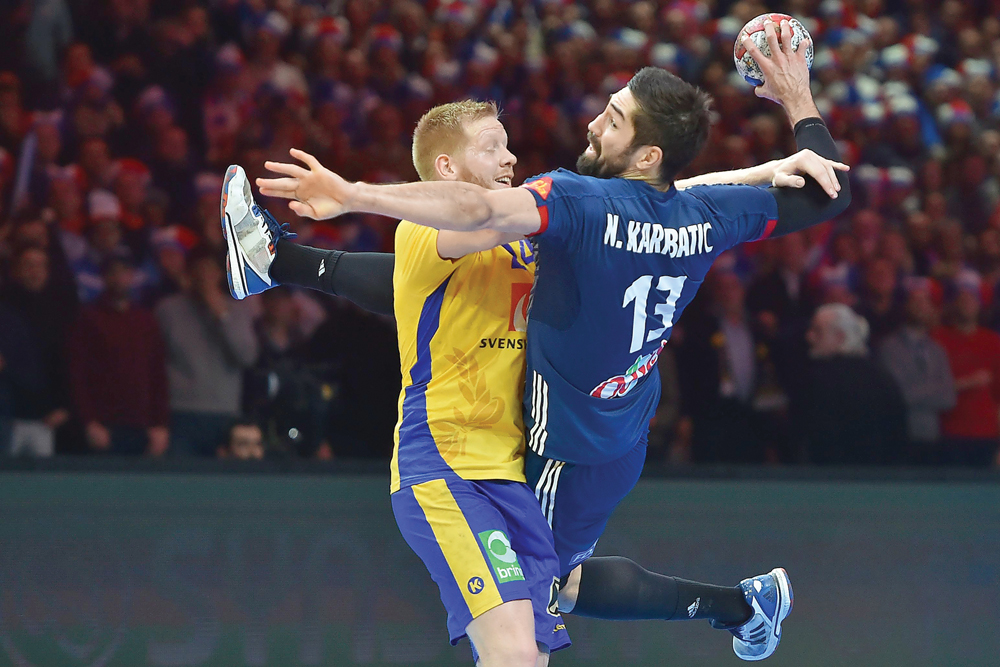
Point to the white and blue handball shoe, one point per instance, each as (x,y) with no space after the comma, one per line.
(770,597)
(251,235)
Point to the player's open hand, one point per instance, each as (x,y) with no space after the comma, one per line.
(315,192)
(787,172)
(786,75)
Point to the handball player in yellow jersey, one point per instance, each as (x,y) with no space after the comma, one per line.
(457,473)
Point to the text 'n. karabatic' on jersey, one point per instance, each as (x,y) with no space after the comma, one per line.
(618,261)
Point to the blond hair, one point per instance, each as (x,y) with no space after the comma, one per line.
(442,131)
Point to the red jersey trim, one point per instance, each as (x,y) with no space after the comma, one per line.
(767,230)
(543,213)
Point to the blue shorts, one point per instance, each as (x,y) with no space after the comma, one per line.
(484,543)
(577,500)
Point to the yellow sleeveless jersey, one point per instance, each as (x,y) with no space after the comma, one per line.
(461,345)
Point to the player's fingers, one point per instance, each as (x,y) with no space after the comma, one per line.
(786,37)
(302,210)
(280,184)
(757,55)
(293,170)
(804,47)
(312,162)
(816,167)
(278,194)
(788,181)
(772,40)
(833,175)
(277,187)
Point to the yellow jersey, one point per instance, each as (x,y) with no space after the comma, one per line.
(461,330)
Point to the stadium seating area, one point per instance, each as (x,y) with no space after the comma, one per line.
(119,117)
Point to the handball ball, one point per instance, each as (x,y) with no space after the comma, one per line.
(754,29)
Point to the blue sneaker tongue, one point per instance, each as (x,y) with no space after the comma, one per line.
(281,231)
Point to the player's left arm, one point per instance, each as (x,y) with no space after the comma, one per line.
(810,205)
(789,172)
(316,192)
(786,81)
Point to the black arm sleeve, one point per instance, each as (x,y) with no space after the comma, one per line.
(799,208)
(364,278)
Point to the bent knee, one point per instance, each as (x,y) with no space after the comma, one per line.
(569,591)
(512,654)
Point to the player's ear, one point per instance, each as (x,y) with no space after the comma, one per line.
(649,158)
(445,168)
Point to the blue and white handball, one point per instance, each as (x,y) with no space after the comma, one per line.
(746,65)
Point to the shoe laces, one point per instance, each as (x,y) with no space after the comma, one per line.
(280,231)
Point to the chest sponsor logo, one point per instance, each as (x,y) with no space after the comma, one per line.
(620,385)
(520,297)
(502,557)
(652,238)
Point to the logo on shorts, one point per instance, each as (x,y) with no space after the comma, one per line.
(476,585)
(502,557)
(582,556)
(553,606)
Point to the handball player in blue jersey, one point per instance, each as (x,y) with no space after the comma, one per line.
(620,253)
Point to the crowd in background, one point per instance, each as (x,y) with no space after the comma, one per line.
(869,339)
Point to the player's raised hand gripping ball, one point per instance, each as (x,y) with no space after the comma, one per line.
(746,65)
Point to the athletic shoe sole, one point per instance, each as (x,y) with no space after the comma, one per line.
(235,259)
(786,600)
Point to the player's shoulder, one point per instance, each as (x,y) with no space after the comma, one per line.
(407,231)
(563,182)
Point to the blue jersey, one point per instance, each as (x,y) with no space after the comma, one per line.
(617,262)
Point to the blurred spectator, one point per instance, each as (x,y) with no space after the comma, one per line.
(20,372)
(117,369)
(210,341)
(360,350)
(41,408)
(665,443)
(48,33)
(847,410)
(105,239)
(781,301)
(722,375)
(920,367)
(283,392)
(879,304)
(970,429)
(245,442)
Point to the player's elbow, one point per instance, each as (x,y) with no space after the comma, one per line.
(477,210)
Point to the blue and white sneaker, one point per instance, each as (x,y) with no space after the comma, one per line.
(251,235)
(770,597)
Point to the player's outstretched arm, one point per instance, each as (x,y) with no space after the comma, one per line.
(316,192)
(785,173)
(786,81)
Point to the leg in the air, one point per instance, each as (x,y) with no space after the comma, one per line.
(616,588)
